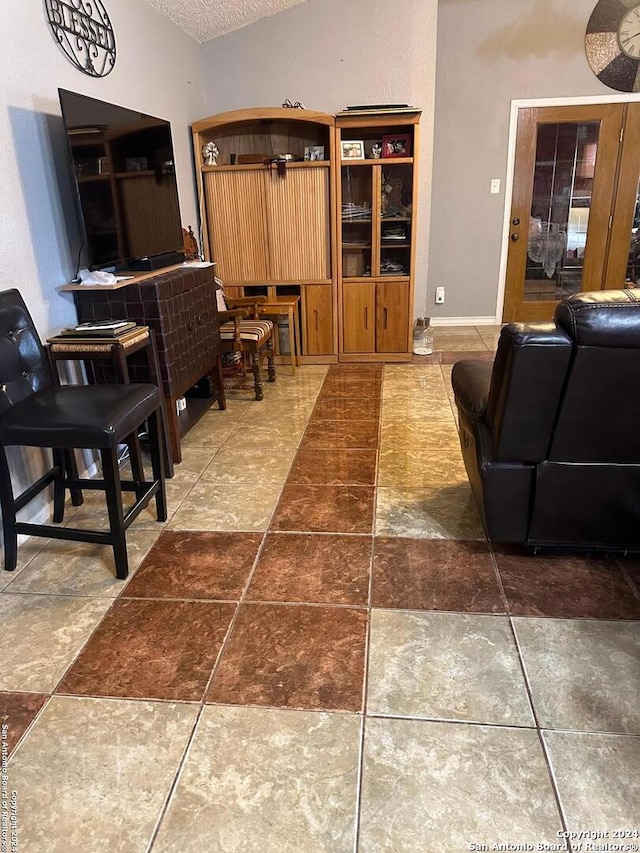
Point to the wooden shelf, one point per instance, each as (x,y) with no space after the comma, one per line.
(244,167)
(380,161)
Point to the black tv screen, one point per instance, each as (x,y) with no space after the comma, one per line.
(124,171)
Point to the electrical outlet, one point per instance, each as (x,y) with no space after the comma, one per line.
(495,185)
(439,295)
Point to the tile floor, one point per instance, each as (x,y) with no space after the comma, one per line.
(319,651)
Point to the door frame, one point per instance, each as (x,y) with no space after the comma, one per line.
(517,104)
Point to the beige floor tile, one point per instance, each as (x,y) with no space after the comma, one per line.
(447,666)
(490,335)
(295,412)
(268,781)
(445,787)
(27,550)
(94,514)
(80,568)
(210,506)
(598,781)
(255,465)
(583,673)
(408,371)
(41,635)
(194,461)
(93,774)
(441,437)
(453,340)
(211,431)
(270,433)
(421,413)
(398,467)
(430,513)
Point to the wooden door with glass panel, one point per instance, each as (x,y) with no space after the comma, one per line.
(565,177)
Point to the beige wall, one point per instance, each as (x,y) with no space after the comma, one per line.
(488,54)
(158,71)
(329,54)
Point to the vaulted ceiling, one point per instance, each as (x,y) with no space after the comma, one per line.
(206,19)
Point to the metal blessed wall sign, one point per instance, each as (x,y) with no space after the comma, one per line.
(83,30)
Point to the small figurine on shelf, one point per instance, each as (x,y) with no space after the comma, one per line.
(210,154)
(376,150)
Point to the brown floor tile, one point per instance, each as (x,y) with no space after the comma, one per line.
(340,385)
(330,434)
(196,565)
(565,586)
(334,467)
(356,369)
(325,509)
(17,711)
(291,656)
(433,574)
(631,565)
(318,568)
(151,650)
(349,408)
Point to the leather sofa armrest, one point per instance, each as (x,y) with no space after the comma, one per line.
(471,379)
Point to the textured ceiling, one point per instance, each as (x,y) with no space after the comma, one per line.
(206,19)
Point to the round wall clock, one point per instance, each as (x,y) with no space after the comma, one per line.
(612,44)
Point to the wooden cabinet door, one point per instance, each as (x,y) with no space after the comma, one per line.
(392,316)
(318,319)
(237,224)
(298,216)
(358,317)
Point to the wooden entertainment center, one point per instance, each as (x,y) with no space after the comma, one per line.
(321,207)
(179,305)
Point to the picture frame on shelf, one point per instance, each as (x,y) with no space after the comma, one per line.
(352,149)
(314,152)
(396,145)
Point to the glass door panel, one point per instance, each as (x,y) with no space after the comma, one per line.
(396,191)
(562,189)
(633,261)
(357,225)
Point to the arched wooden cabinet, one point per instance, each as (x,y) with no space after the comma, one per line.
(273,228)
(272,231)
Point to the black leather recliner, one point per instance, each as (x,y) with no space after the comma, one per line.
(550,432)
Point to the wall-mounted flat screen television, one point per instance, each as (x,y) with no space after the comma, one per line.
(124,171)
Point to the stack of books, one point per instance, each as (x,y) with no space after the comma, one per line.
(99,329)
(124,332)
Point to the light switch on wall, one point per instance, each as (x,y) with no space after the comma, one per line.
(495,185)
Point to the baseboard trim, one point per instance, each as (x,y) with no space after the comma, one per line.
(465,321)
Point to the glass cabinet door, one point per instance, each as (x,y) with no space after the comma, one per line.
(396,191)
(357,224)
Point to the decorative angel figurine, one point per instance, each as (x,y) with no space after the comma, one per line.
(210,153)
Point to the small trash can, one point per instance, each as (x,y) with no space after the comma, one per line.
(422,336)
